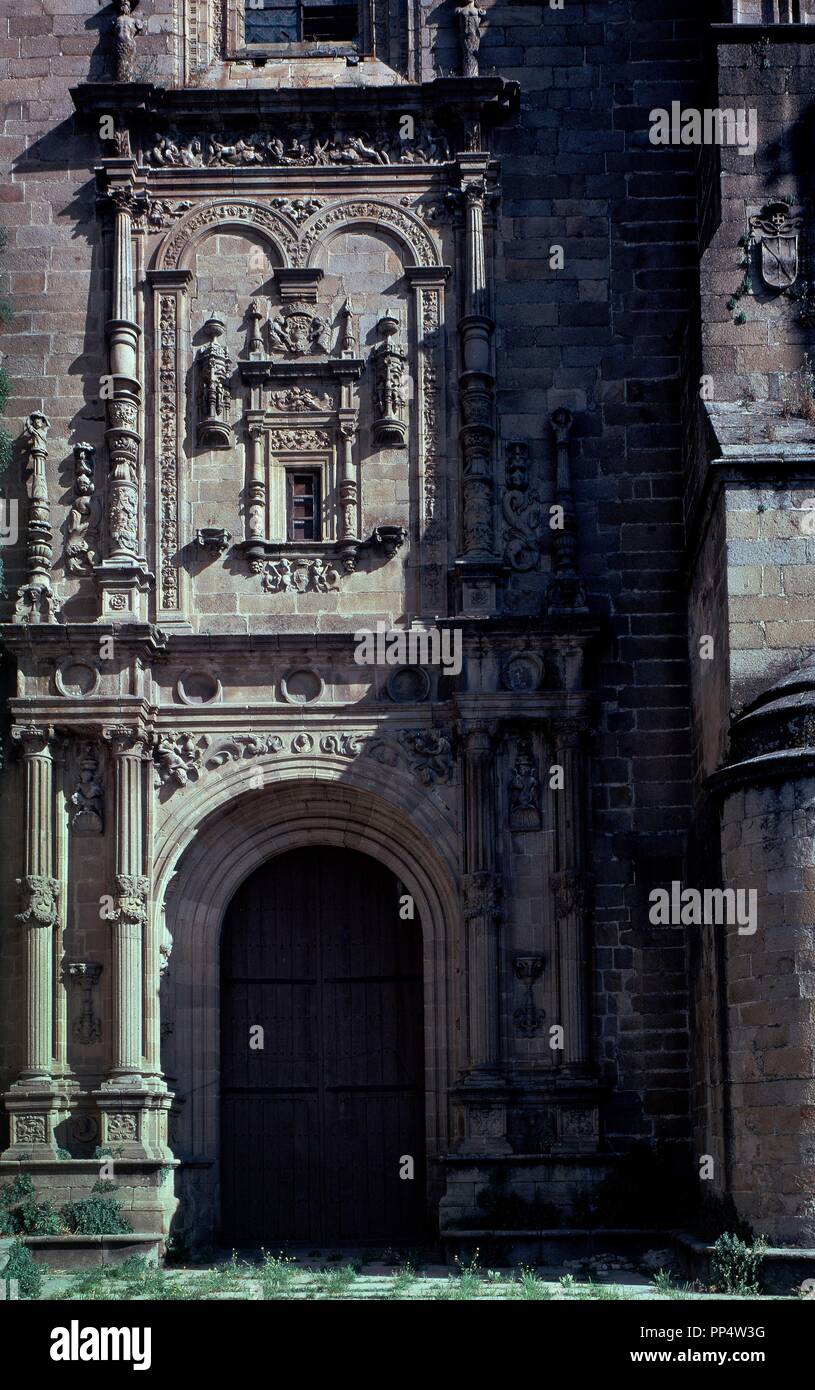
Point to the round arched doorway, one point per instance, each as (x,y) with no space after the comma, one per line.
(322,1056)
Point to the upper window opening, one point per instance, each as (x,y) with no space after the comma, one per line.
(309,21)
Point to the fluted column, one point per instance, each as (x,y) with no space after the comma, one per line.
(571,891)
(130,905)
(40,893)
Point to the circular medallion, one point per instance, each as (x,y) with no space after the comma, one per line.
(197,688)
(301,686)
(74,679)
(408,685)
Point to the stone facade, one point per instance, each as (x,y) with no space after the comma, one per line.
(441,275)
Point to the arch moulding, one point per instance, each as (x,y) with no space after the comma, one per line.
(295,248)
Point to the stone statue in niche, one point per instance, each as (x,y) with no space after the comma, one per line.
(84,511)
(214,365)
(125,29)
(297,330)
(88,797)
(522,512)
(390,386)
(349,330)
(524,790)
(469,19)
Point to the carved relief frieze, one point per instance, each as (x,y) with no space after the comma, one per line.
(178,758)
(83,518)
(522,512)
(528,1018)
(87,1026)
(308,145)
(292,574)
(88,796)
(298,398)
(298,209)
(181,758)
(294,439)
(524,790)
(29,1129)
(157,214)
(168,451)
(429,754)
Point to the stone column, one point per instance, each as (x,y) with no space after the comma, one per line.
(482,900)
(128,747)
(478,564)
(36,602)
(485,1108)
(34,1098)
(349,491)
(570,887)
(256,481)
(122,576)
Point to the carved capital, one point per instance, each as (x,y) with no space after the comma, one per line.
(571,889)
(483,894)
(130,900)
(125,742)
(40,896)
(33,740)
(477,735)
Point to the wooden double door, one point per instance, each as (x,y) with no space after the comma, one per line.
(321,1109)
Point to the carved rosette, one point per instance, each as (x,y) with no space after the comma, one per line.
(40,897)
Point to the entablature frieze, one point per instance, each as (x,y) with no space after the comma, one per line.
(316,127)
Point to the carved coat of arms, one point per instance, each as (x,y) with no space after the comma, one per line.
(775,230)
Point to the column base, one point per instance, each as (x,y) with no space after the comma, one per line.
(484,1101)
(123,587)
(133,1118)
(36,1107)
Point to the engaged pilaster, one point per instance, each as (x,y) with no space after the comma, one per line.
(35,1101)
